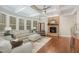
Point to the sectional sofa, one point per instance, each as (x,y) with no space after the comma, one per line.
(27,45)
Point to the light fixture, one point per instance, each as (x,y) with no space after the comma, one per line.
(8,28)
(34,28)
(44,9)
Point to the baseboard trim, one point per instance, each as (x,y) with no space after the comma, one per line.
(65,35)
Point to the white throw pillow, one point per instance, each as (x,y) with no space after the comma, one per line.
(25,40)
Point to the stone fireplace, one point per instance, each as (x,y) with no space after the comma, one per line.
(53,26)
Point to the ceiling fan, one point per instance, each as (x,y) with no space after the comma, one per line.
(41,10)
(45,8)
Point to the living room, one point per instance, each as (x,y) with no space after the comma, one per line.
(39,28)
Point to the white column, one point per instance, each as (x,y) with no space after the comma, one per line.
(17,23)
(77,16)
(7,20)
(46,26)
(31,24)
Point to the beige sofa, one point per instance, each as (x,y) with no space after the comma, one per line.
(26,47)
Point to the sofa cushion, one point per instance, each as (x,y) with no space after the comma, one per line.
(8,38)
(34,37)
(25,40)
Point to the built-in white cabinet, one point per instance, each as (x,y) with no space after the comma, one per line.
(2,21)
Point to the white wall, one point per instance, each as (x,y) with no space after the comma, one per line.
(66,23)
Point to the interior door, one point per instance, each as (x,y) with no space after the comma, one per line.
(41,27)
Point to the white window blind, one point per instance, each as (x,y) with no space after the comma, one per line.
(28,24)
(21,24)
(35,24)
(13,22)
(2,21)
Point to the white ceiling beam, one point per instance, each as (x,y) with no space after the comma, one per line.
(67,14)
(71,13)
(75,10)
(64,8)
(51,10)
(20,9)
(37,14)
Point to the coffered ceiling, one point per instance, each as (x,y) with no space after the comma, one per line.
(38,10)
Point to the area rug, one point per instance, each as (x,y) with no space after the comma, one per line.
(40,43)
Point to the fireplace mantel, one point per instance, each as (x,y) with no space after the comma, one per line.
(52,24)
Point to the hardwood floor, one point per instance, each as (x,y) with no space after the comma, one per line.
(60,45)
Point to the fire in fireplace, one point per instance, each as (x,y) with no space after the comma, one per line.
(53,30)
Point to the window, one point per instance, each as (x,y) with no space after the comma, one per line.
(12,22)
(35,24)
(28,24)
(2,21)
(21,24)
